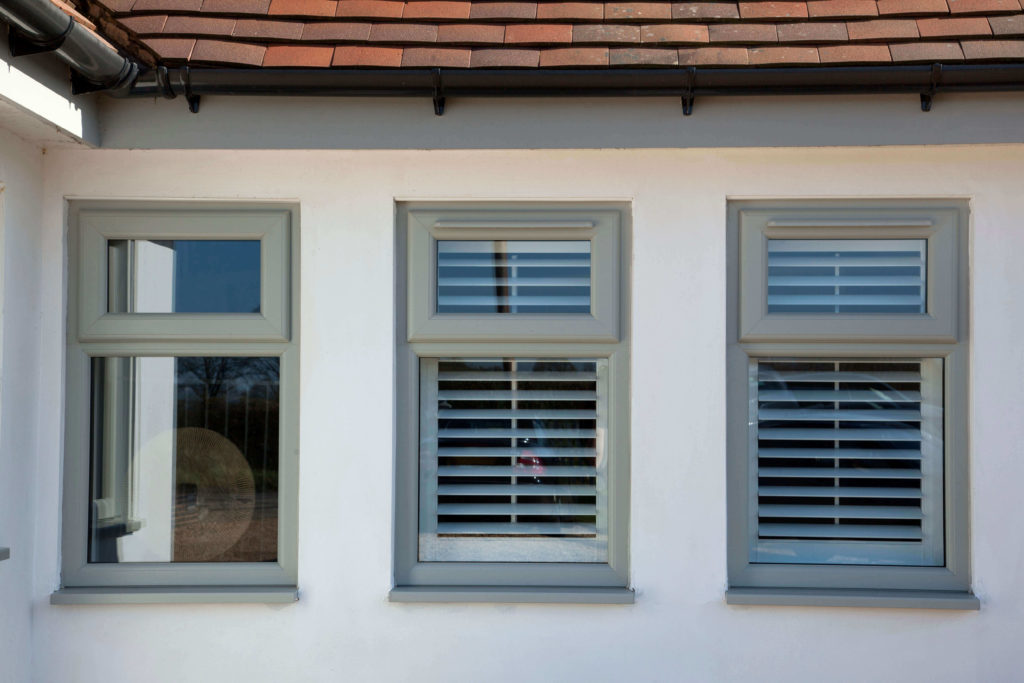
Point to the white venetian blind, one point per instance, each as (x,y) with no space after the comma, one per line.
(513,276)
(513,450)
(849,461)
(846,276)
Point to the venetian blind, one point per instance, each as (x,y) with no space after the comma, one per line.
(513,449)
(849,461)
(846,276)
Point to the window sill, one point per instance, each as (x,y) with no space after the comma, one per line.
(174,595)
(5,553)
(820,597)
(526,594)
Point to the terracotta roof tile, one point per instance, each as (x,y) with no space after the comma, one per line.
(366,55)
(566,33)
(309,56)
(706,10)
(764,9)
(637,56)
(571,10)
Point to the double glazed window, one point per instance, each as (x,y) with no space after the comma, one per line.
(512,459)
(847,414)
(182,368)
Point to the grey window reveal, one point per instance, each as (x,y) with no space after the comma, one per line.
(512,358)
(847,366)
(182,394)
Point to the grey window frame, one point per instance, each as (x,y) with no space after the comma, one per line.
(418,226)
(941,333)
(172,334)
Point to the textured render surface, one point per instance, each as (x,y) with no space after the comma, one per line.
(680,627)
(554,34)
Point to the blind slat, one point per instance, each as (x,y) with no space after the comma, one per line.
(840,511)
(838,492)
(845,531)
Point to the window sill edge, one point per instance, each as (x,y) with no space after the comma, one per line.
(120,595)
(513,594)
(823,597)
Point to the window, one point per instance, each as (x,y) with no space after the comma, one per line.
(847,445)
(512,462)
(181,422)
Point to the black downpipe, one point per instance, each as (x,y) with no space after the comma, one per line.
(40,26)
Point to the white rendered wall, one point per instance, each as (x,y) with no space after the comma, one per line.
(21,401)
(343,628)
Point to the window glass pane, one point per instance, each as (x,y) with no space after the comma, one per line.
(846,276)
(184,276)
(184,460)
(513,276)
(513,462)
(849,461)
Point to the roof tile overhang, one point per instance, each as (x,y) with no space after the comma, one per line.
(554,35)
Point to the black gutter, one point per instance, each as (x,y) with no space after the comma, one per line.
(40,26)
(687,83)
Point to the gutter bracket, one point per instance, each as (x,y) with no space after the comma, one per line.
(926,96)
(193,100)
(81,85)
(439,99)
(21,46)
(691,78)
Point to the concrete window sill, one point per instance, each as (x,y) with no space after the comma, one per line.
(816,597)
(504,594)
(174,595)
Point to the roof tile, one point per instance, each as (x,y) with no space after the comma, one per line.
(538,33)
(714,56)
(471,33)
(743,33)
(993,49)
(316,8)
(637,11)
(1011,25)
(912,7)
(199,26)
(146,23)
(171,48)
(426,9)
(926,52)
(842,8)
(236,6)
(504,58)
(370,9)
(167,5)
(298,55)
(605,33)
(503,10)
(266,29)
(812,32)
(222,51)
(854,54)
(882,29)
(675,33)
(367,55)
(118,5)
(954,26)
(705,10)
(765,9)
(436,56)
(336,31)
(783,55)
(636,56)
(972,6)
(574,56)
(403,33)
(570,10)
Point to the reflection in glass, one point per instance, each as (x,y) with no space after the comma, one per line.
(184,459)
(846,276)
(483,276)
(184,276)
(513,464)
